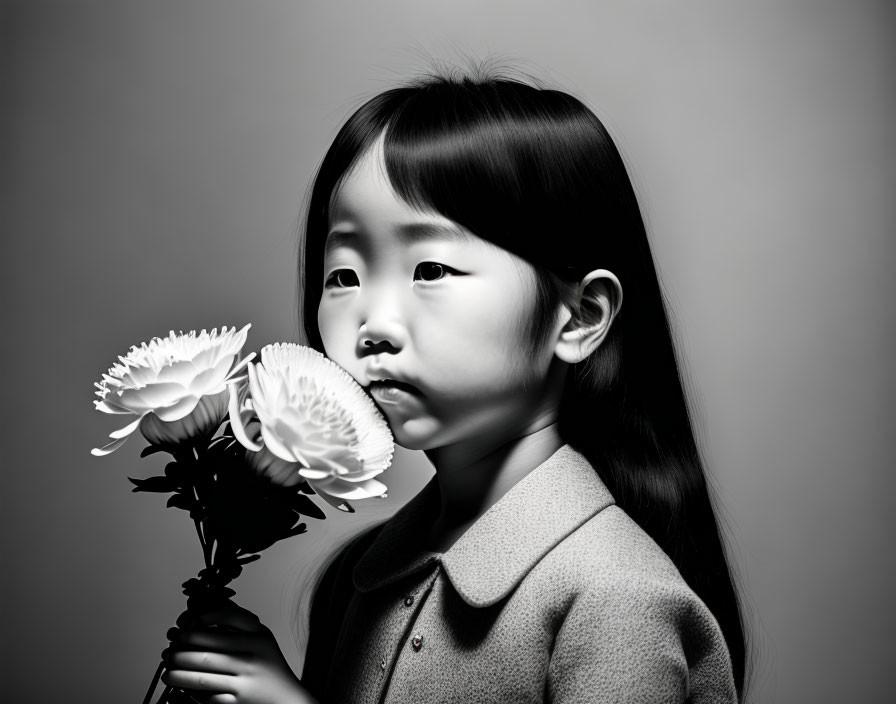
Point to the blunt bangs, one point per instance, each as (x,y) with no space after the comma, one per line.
(513,164)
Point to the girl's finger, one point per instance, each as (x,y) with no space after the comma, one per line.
(201,681)
(203,661)
(222,699)
(214,639)
(236,617)
(191,617)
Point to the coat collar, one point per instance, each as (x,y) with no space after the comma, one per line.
(497,551)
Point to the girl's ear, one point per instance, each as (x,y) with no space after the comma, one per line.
(598,299)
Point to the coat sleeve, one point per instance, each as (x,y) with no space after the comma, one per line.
(640,642)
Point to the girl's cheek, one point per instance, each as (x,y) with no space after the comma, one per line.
(326,328)
(338,340)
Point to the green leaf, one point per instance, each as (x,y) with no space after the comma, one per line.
(156,484)
(181,501)
(304,505)
(153,449)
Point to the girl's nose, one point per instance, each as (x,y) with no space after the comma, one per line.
(380,336)
(382,319)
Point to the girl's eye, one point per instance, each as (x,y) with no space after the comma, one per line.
(431,271)
(342,278)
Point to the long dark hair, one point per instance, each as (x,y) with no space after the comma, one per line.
(534,171)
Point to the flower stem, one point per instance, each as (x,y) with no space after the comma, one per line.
(206,552)
(155,681)
(190,457)
(164,698)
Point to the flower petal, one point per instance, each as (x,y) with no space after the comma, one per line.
(177,410)
(347,490)
(107,406)
(153,396)
(138,376)
(361,475)
(236,421)
(273,443)
(126,430)
(211,377)
(179,371)
(310,473)
(240,366)
(111,447)
(205,358)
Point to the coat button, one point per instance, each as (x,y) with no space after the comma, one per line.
(417,642)
(409,600)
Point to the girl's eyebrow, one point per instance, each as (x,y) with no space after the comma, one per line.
(407,233)
(416,231)
(340,238)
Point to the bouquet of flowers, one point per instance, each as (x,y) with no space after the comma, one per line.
(250,442)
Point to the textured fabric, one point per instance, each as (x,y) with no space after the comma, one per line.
(554,595)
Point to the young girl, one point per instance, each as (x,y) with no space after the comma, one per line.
(475,256)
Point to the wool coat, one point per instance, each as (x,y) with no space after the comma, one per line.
(553,595)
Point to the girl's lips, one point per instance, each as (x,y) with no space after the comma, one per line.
(390,391)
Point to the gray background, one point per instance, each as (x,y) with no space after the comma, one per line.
(155,157)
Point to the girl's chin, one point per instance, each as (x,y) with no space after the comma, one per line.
(414,434)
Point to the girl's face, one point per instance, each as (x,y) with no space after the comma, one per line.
(431,319)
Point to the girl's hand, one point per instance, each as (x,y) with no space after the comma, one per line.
(230,655)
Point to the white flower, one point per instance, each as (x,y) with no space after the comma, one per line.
(303,417)
(175,386)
